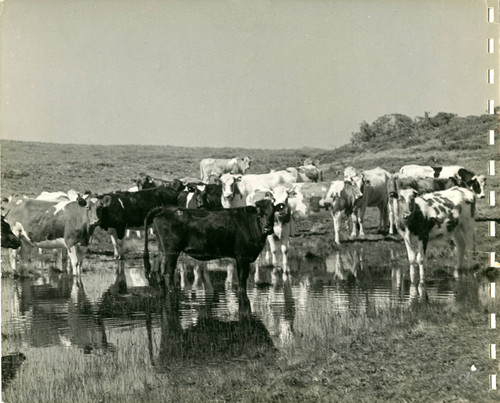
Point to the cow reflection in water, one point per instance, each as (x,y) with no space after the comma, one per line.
(209,338)
(61,314)
(277,307)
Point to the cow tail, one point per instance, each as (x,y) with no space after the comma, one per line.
(147,222)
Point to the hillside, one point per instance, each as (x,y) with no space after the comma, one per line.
(390,142)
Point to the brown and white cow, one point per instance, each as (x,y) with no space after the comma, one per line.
(236,188)
(343,197)
(474,182)
(45,224)
(447,213)
(211,168)
(373,184)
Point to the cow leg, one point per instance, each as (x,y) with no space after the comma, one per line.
(392,215)
(354,221)
(336,225)
(117,245)
(411,256)
(63,253)
(12,260)
(243,267)
(230,274)
(284,252)
(272,246)
(207,282)
(458,237)
(256,274)
(183,274)
(198,277)
(169,267)
(76,253)
(420,261)
(361,217)
(138,233)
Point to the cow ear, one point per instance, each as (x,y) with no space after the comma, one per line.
(81,201)
(238,178)
(106,201)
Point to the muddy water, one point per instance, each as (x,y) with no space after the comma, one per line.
(114,303)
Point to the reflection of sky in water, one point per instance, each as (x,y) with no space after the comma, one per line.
(95,313)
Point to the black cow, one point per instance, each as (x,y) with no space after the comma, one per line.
(9,240)
(121,210)
(238,233)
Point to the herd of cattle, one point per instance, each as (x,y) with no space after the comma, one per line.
(228,213)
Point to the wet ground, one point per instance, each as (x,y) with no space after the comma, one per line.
(112,310)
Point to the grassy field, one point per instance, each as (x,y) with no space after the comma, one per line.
(420,353)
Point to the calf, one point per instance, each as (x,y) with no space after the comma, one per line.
(121,210)
(342,198)
(239,233)
(421,218)
(46,224)
(9,240)
(474,182)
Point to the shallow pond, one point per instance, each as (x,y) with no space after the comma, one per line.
(205,319)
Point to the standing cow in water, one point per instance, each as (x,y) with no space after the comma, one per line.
(211,168)
(45,224)
(373,184)
(446,213)
(238,233)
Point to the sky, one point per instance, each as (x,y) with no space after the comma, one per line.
(234,73)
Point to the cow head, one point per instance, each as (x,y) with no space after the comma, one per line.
(476,184)
(265,215)
(194,195)
(406,204)
(244,163)
(9,240)
(229,187)
(90,204)
(211,196)
(289,201)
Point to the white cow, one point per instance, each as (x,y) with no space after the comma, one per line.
(72,195)
(373,184)
(211,168)
(236,188)
(445,213)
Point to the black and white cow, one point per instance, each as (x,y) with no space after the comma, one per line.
(474,182)
(446,213)
(239,233)
(119,211)
(342,198)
